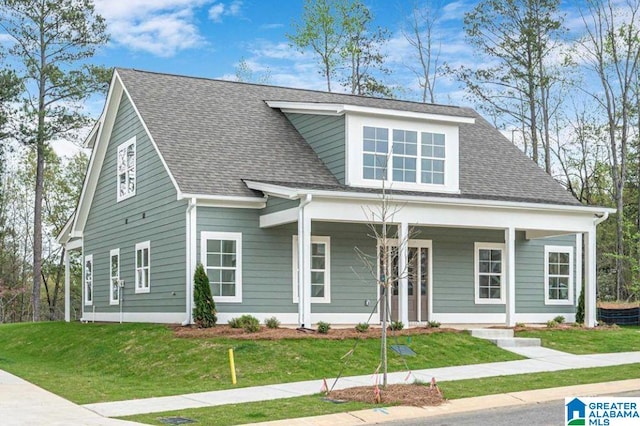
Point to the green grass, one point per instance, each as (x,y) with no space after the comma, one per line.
(314,405)
(588,341)
(88,363)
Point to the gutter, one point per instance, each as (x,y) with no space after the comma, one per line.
(188,302)
(598,220)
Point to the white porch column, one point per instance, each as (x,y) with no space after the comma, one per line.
(578,283)
(67,287)
(510,276)
(304,266)
(403,272)
(590,279)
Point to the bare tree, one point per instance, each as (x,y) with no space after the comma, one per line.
(419,31)
(611,51)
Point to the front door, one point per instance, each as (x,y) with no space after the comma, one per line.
(417,281)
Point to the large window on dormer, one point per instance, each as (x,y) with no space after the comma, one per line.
(402,154)
(126,167)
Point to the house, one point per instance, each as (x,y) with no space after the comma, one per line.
(272,189)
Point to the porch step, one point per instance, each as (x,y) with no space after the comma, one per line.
(492,333)
(517,342)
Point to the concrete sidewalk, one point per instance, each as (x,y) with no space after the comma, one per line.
(22,403)
(540,360)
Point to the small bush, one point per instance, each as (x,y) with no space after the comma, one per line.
(433,324)
(323,327)
(552,324)
(559,319)
(272,322)
(362,327)
(396,325)
(204,312)
(249,323)
(580,308)
(520,325)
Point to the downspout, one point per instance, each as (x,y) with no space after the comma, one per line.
(301,249)
(190,227)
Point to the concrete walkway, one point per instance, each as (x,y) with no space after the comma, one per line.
(22,403)
(540,360)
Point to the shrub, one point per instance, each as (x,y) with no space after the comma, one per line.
(580,308)
(204,313)
(396,325)
(520,325)
(552,324)
(249,323)
(323,327)
(362,327)
(433,324)
(272,322)
(559,319)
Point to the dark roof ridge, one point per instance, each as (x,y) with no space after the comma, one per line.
(294,88)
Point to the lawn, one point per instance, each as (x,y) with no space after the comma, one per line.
(88,363)
(589,341)
(315,405)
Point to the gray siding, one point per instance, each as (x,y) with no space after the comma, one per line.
(163,225)
(267,263)
(275,204)
(326,135)
(530,274)
(453,268)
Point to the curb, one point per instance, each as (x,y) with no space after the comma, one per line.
(456,406)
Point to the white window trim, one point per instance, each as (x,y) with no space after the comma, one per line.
(124,146)
(354,135)
(237,237)
(141,246)
(327,274)
(558,249)
(112,253)
(88,258)
(476,273)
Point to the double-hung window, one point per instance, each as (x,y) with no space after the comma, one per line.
(88,280)
(126,168)
(558,275)
(375,150)
(143,267)
(221,256)
(320,269)
(489,273)
(114,275)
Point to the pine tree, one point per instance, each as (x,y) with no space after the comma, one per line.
(204,313)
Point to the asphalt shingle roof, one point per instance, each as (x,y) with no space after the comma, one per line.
(213,134)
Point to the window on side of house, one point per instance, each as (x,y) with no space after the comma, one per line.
(114,275)
(558,275)
(143,267)
(432,158)
(126,170)
(88,280)
(320,269)
(221,256)
(489,273)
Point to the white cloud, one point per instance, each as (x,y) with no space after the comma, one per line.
(218,10)
(271,26)
(160,27)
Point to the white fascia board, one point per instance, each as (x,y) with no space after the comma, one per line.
(294,193)
(65,233)
(225,201)
(103,132)
(340,109)
(90,141)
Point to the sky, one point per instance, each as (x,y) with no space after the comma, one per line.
(208,38)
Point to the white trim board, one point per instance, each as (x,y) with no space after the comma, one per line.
(147,317)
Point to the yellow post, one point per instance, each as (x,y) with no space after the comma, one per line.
(232,364)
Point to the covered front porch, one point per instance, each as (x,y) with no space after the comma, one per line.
(436,241)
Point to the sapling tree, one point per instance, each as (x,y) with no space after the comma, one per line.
(204,314)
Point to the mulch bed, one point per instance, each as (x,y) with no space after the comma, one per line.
(413,394)
(292,333)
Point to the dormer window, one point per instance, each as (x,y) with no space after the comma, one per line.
(126,167)
(404,155)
